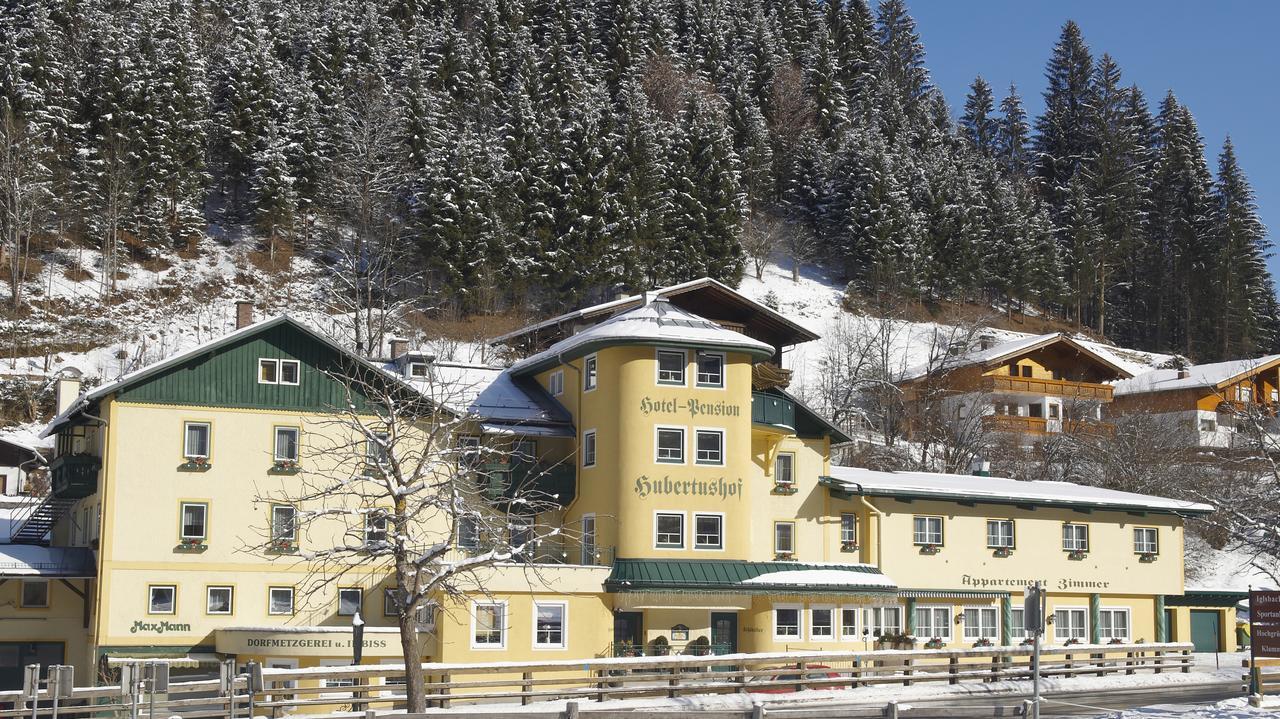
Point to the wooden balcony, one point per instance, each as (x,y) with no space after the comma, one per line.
(766,375)
(1047,387)
(1040,425)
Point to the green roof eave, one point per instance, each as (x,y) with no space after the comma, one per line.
(724,575)
(586,348)
(1205,598)
(837,488)
(809,422)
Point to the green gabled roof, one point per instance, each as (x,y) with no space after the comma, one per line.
(631,575)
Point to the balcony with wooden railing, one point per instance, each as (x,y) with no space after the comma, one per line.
(1047,387)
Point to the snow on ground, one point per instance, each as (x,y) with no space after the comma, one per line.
(815,301)
(1237,708)
(1233,569)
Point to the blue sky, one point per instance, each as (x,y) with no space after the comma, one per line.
(1220,57)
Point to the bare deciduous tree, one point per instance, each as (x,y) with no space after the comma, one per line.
(389,490)
(25,187)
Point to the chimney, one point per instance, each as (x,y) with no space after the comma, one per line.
(244,314)
(986,341)
(1183,373)
(399,346)
(66,390)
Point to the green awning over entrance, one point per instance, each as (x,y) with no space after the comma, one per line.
(1205,598)
(721,575)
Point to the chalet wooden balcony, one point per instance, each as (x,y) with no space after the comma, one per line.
(1047,388)
(74,475)
(773,411)
(766,375)
(1040,425)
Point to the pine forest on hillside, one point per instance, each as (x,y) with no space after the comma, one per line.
(485,155)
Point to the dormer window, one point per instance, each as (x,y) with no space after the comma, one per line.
(416,370)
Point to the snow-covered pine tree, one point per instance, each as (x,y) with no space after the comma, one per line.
(977,123)
(1063,134)
(1012,132)
(1241,281)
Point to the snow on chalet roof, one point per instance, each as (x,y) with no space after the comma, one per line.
(658,323)
(493,394)
(934,485)
(823,578)
(1203,375)
(1003,350)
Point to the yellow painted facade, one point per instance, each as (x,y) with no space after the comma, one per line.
(679,472)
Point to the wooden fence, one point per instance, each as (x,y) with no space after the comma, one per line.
(1263,679)
(368,687)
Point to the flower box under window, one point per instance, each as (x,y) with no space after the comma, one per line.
(283,546)
(934,643)
(285,466)
(784,488)
(1002,552)
(930,548)
(195,464)
(192,544)
(1077,554)
(1147,557)
(848,546)
(982,642)
(784,556)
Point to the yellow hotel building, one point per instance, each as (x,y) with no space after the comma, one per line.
(705,514)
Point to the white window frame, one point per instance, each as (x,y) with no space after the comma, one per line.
(555,383)
(564,624)
(231,599)
(471,522)
(1017,622)
(186,439)
(684,442)
(776,548)
(359,601)
(375,524)
(684,529)
(920,539)
(982,630)
(1106,635)
(697,433)
(589,448)
(173,599)
(293,536)
(503,629)
(846,538)
(1013,535)
(873,620)
(22,593)
(934,610)
(275,442)
(1058,625)
(271,593)
(590,373)
(1074,544)
(411,370)
(853,635)
(657,367)
(297,372)
(1138,547)
(274,364)
(719,546)
(791,460)
(697,370)
(799,635)
(832,621)
(283,663)
(336,683)
(468,449)
(182,520)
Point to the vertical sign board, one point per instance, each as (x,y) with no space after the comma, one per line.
(1264,632)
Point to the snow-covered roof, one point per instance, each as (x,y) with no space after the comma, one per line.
(623,303)
(1216,375)
(823,578)
(967,487)
(495,395)
(1006,350)
(27,436)
(656,323)
(28,560)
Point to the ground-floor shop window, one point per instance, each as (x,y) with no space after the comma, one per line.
(1070,624)
(1017,625)
(933,622)
(821,623)
(880,621)
(786,623)
(549,625)
(981,623)
(336,683)
(1113,624)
